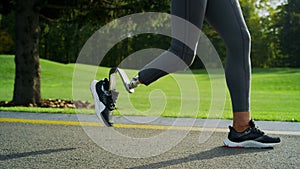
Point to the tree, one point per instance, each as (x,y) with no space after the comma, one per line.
(271,25)
(27,78)
(290,33)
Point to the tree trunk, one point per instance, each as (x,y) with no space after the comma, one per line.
(27,77)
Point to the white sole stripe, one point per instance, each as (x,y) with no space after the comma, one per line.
(249,144)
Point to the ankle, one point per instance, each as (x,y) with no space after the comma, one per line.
(240,128)
(134,82)
(241,121)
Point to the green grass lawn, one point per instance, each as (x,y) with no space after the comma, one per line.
(275,93)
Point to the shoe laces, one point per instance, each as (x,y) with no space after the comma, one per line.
(107,93)
(108,99)
(254,128)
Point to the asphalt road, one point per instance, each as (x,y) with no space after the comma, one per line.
(25,145)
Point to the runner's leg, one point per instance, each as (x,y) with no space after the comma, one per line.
(227,18)
(179,56)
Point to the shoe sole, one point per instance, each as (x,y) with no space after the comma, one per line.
(99,106)
(248,144)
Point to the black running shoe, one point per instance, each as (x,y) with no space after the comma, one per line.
(250,138)
(104,104)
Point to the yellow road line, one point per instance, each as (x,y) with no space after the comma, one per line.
(135,126)
(54,122)
(161,127)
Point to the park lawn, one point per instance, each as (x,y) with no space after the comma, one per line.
(275,93)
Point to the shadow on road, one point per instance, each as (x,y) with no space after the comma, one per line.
(32,153)
(209,154)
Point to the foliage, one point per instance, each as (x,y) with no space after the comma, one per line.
(67,24)
(7,33)
(75,24)
(290,33)
(6,42)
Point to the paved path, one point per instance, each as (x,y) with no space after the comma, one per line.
(41,145)
(290,128)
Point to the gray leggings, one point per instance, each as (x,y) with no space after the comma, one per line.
(225,16)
